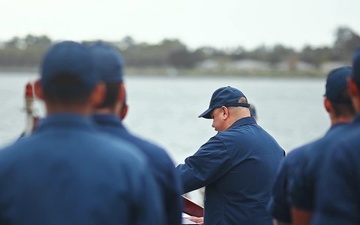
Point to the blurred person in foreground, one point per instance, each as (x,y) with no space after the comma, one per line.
(237,166)
(337,199)
(337,103)
(109,65)
(67,172)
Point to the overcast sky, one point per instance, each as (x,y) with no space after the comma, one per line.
(217,23)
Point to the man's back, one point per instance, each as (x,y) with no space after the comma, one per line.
(161,166)
(239,175)
(68,173)
(340,204)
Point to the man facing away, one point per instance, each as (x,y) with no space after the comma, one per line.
(110,66)
(337,193)
(337,103)
(67,172)
(237,166)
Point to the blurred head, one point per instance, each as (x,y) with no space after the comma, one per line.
(337,97)
(109,64)
(354,82)
(227,105)
(67,75)
(67,72)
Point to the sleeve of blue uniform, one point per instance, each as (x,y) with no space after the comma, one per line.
(279,206)
(174,201)
(149,208)
(209,163)
(300,187)
(337,200)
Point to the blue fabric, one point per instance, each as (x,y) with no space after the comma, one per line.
(356,65)
(279,205)
(70,59)
(304,181)
(238,167)
(108,62)
(67,172)
(336,84)
(160,164)
(337,193)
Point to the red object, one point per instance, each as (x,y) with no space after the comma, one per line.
(192,208)
(29,90)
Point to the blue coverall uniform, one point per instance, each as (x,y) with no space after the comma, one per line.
(279,205)
(238,167)
(337,199)
(160,163)
(304,182)
(67,172)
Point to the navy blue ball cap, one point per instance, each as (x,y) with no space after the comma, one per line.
(225,96)
(108,62)
(356,66)
(336,85)
(70,59)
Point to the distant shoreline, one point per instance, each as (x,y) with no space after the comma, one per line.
(171,72)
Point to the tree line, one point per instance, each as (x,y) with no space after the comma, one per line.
(26,52)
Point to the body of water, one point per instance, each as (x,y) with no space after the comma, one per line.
(165,110)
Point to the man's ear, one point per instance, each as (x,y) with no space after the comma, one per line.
(226,112)
(352,87)
(98,95)
(124,111)
(327,105)
(38,91)
(122,99)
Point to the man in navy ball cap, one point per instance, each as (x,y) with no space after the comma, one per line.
(298,173)
(237,166)
(67,172)
(337,193)
(109,65)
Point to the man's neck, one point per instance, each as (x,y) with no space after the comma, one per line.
(105,111)
(339,120)
(76,109)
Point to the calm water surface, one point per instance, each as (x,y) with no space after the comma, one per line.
(165,109)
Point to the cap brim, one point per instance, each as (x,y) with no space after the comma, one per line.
(206,114)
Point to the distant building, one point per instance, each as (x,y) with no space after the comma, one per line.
(328,66)
(248,64)
(294,65)
(209,64)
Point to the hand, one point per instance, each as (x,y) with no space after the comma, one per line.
(198,220)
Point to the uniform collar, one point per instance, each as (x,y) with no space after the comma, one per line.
(244,121)
(66,120)
(107,120)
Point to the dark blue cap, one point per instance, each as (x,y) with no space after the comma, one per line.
(108,62)
(225,96)
(336,85)
(356,66)
(69,59)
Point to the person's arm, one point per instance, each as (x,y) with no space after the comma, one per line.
(337,195)
(278,205)
(301,190)
(209,163)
